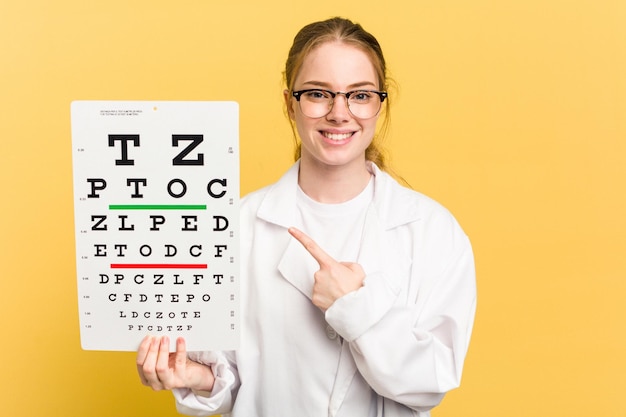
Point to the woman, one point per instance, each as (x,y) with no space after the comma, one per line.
(367,314)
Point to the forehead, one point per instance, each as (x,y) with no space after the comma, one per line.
(337,65)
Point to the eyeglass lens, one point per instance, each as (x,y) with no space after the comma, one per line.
(361,104)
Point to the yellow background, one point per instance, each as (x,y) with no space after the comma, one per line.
(510,113)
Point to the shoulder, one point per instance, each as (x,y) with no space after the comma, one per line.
(425,221)
(254,198)
(396,200)
(250,205)
(273,203)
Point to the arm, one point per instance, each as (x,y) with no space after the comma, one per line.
(414,353)
(408,341)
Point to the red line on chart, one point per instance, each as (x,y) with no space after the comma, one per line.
(158,266)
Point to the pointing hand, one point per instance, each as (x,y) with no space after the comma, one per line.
(334,279)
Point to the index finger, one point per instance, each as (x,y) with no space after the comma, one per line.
(142,351)
(322,258)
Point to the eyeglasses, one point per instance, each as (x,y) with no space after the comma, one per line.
(362,104)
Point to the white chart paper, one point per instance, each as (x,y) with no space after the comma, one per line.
(156,197)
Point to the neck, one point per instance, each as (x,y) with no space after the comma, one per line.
(332,184)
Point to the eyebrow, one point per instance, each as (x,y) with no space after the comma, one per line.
(351,87)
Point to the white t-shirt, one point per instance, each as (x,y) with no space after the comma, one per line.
(336,228)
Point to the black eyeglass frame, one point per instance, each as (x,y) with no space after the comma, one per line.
(382,94)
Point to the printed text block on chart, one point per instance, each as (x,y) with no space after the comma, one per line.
(156,197)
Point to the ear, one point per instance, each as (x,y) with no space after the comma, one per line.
(289,103)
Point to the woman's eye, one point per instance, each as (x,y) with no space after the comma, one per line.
(361,95)
(316,95)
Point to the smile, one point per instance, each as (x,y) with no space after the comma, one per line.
(337,136)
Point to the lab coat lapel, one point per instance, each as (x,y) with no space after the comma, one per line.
(297,266)
(380,250)
(279,207)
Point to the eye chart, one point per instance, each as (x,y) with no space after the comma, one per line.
(156,205)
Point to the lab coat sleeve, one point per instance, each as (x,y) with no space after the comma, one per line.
(410,346)
(224,390)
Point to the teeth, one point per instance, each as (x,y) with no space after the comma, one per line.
(337,136)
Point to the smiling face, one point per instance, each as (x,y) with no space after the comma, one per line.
(337,140)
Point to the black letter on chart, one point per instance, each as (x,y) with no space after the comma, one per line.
(97,184)
(180,158)
(98,219)
(124,139)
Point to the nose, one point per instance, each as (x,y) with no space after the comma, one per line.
(339,111)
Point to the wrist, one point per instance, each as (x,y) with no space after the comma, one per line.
(202,380)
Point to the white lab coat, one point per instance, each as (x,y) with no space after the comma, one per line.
(393,348)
